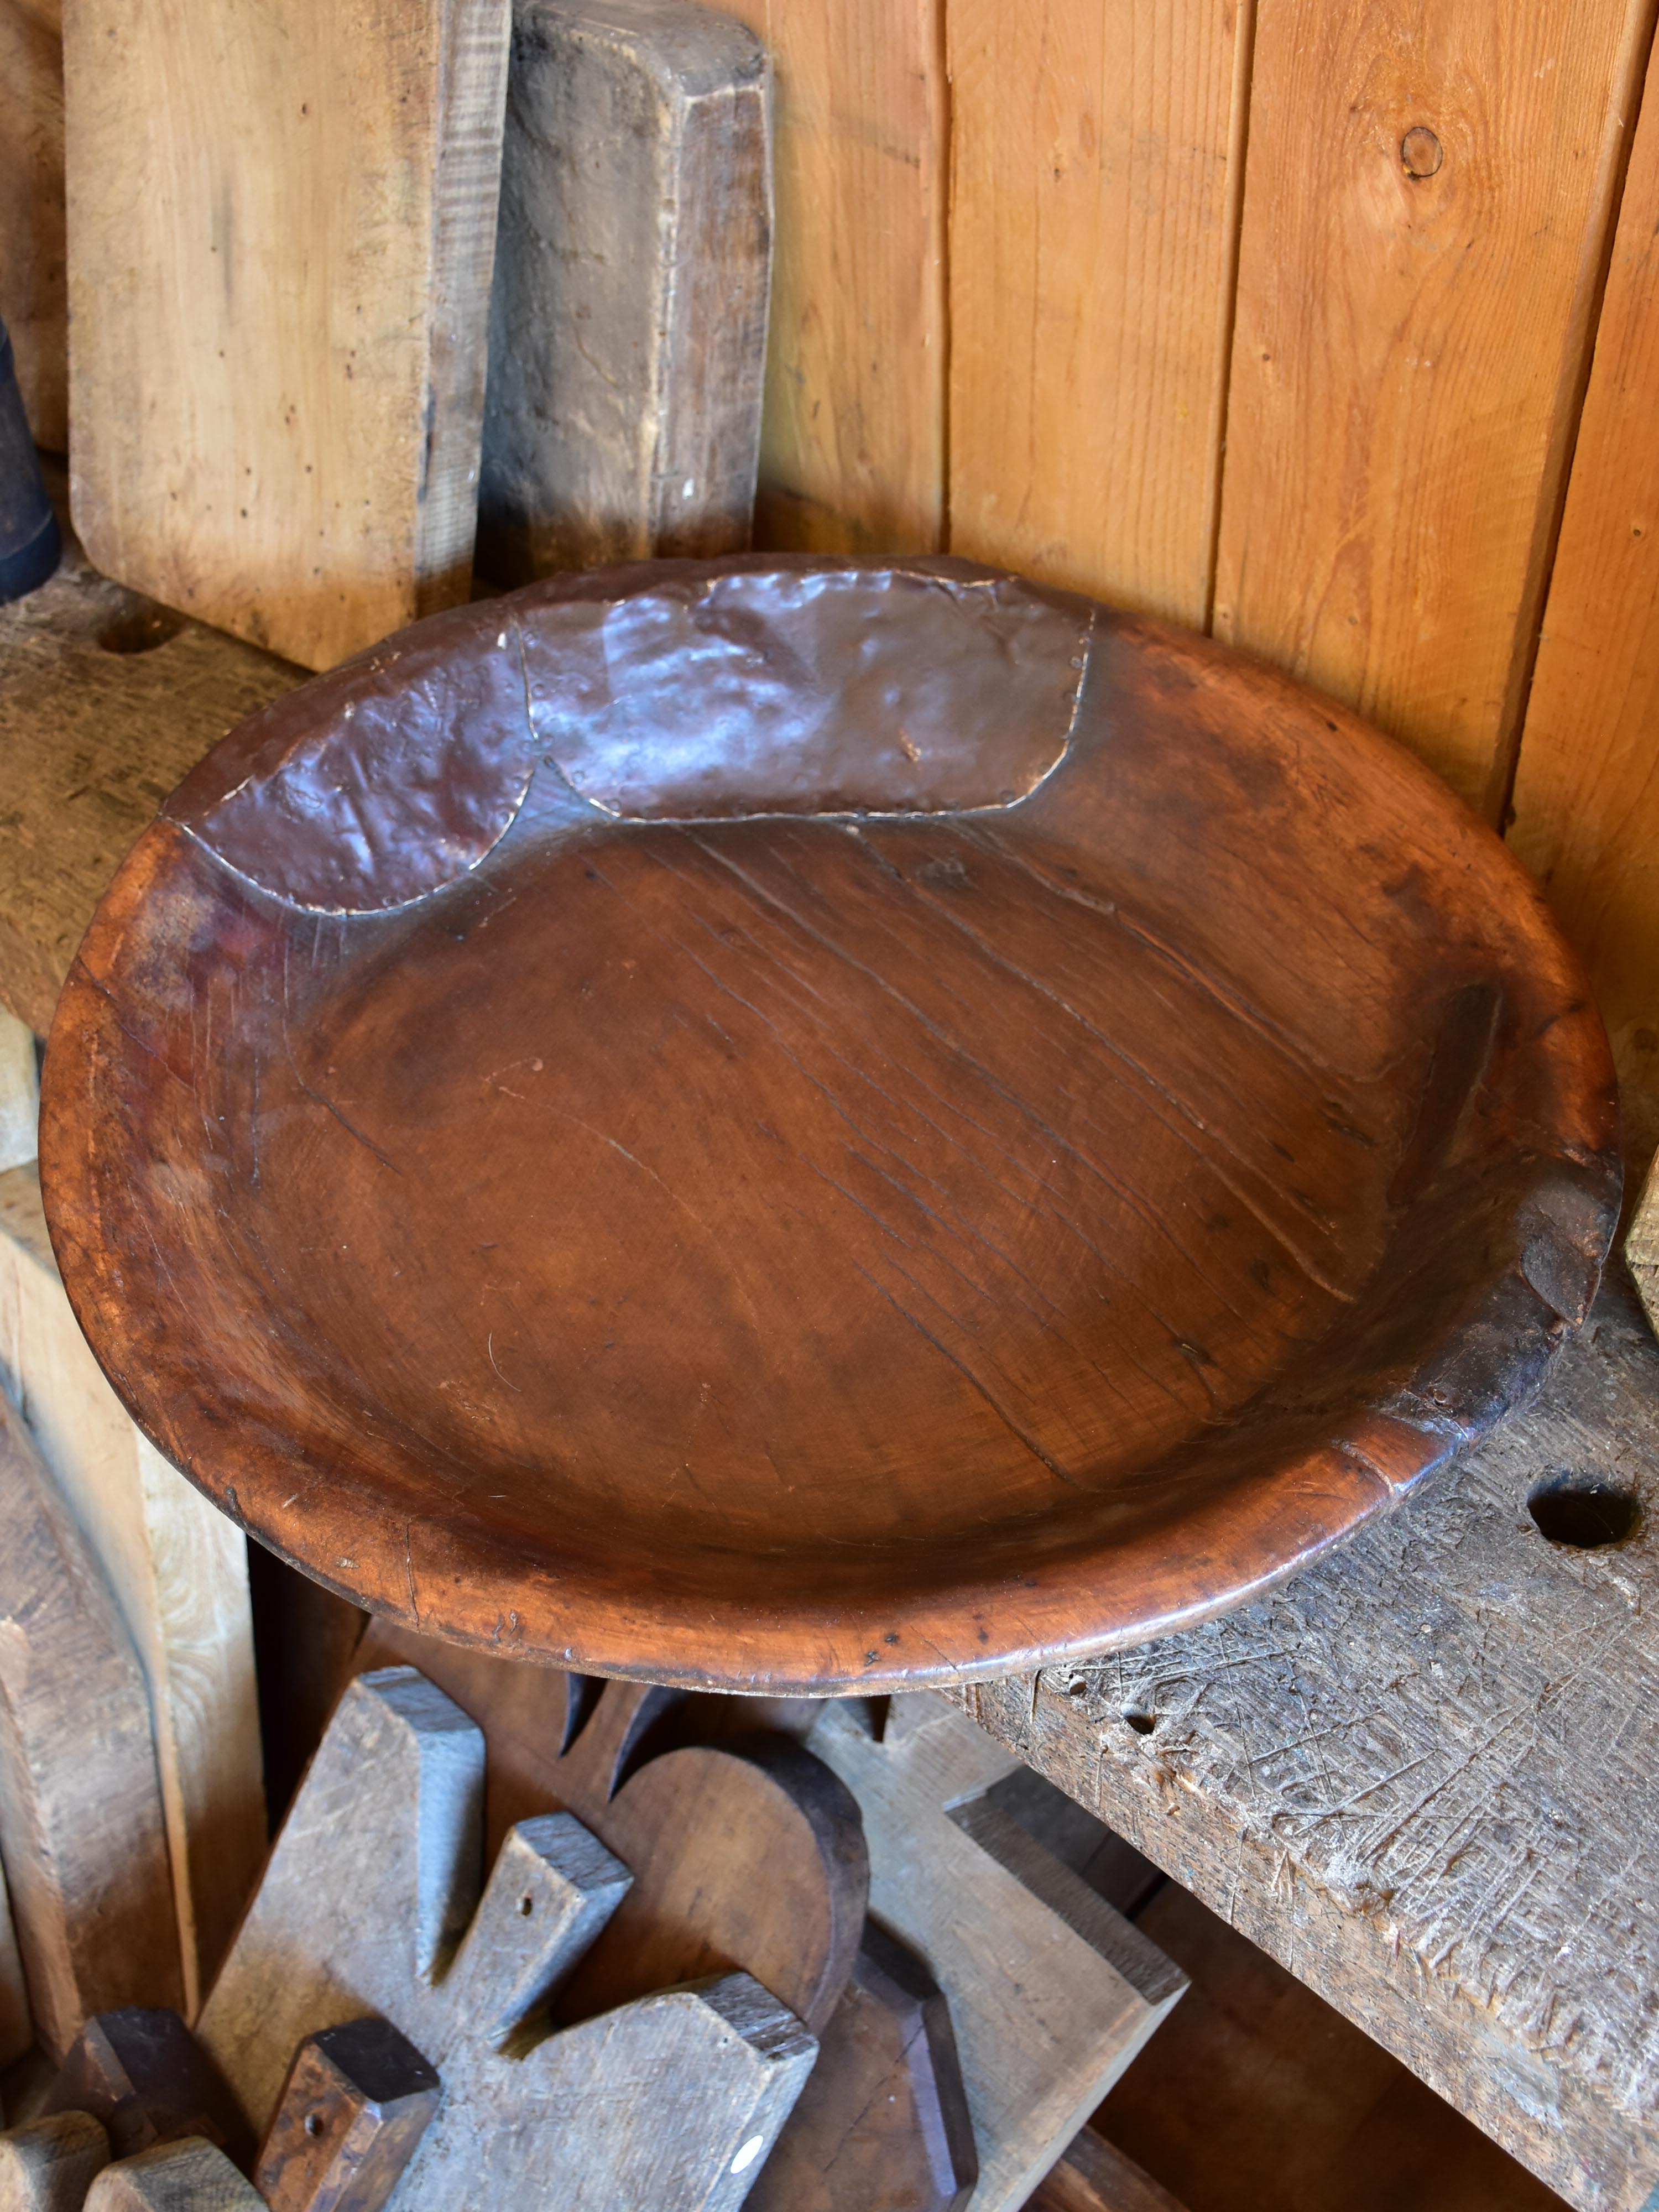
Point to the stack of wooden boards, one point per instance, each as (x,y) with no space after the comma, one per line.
(286,373)
(835,1976)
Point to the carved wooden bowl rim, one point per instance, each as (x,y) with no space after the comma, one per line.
(872,722)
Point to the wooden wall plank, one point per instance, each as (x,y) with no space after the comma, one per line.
(33,302)
(1586,793)
(178,1568)
(282,227)
(1095,150)
(1409,350)
(853,436)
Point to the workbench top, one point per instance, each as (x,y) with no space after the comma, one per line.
(1423,1775)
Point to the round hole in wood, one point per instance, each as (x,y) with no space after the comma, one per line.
(1583,1511)
(313,2124)
(1142,1723)
(140,630)
(1421,151)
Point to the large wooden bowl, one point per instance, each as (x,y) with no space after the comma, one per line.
(793,1125)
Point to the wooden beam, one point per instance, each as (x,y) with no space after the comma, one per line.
(1097,154)
(1587,791)
(1430,191)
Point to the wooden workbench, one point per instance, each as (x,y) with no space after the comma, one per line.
(1425,1775)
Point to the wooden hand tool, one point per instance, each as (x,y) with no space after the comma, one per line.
(48,2164)
(144,2078)
(1051,1991)
(743,1853)
(191,2176)
(357,2100)
(372,1896)
(883,2125)
(81,1822)
(628,327)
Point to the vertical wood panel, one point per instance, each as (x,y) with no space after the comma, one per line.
(32,294)
(1094,158)
(852,443)
(1587,794)
(1409,350)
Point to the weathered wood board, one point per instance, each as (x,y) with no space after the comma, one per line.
(81,1824)
(1424,1776)
(1095,2177)
(32,286)
(1426,207)
(1051,1992)
(178,1572)
(632,263)
(1097,158)
(852,436)
(371,1901)
(1586,814)
(193,2176)
(280,230)
(16,2028)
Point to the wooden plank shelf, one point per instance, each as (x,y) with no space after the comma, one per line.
(1425,1775)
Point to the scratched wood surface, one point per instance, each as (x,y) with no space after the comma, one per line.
(1424,1776)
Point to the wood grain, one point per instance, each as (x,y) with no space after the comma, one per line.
(1051,1992)
(16,2028)
(48,2164)
(281,230)
(1586,807)
(633,264)
(372,1899)
(852,434)
(1409,350)
(1096,152)
(1095,2177)
(105,700)
(1023,1113)
(179,2177)
(1433,1803)
(33,297)
(81,1824)
(178,1570)
(356,2102)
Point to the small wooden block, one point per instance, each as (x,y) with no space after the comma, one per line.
(628,328)
(1095,2177)
(882,2124)
(48,2164)
(1051,1991)
(357,2100)
(81,1821)
(144,2076)
(179,2177)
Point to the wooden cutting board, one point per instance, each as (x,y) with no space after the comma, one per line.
(283,223)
